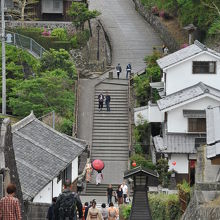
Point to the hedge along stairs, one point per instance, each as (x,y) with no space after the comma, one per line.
(110,135)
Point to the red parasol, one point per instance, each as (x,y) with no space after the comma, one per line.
(98,165)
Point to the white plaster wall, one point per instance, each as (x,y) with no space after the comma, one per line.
(154,114)
(182,163)
(57,187)
(140,116)
(45,195)
(150,114)
(177,123)
(181,76)
(75,169)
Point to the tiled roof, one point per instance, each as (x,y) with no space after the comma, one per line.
(187,94)
(183,54)
(176,143)
(41,153)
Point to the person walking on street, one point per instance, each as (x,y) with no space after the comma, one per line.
(104,211)
(50,213)
(9,205)
(101,100)
(94,213)
(119,195)
(112,212)
(125,191)
(118,69)
(128,70)
(84,210)
(109,193)
(107,101)
(66,204)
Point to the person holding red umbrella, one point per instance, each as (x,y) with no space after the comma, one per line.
(99,177)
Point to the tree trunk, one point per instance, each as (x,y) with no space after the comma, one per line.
(22,9)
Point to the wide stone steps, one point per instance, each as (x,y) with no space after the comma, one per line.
(110,136)
(93,189)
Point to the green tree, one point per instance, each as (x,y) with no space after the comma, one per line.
(80,14)
(51,91)
(162,169)
(61,59)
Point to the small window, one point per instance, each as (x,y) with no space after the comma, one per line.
(56,4)
(204,67)
(196,125)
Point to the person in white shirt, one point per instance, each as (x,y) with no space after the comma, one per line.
(125,191)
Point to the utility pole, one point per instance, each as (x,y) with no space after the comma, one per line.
(3,58)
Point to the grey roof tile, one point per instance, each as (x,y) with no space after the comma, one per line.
(41,153)
(176,143)
(186,94)
(183,54)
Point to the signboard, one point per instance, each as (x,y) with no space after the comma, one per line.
(1,186)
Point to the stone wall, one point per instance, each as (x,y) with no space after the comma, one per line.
(202,205)
(36,211)
(165,35)
(9,170)
(42,24)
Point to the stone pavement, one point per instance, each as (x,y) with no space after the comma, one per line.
(132,38)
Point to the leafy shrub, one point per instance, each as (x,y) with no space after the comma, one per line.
(125,211)
(164,207)
(60,33)
(66,45)
(162,169)
(184,190)
(66,126)
(138,149)
(80,39)
(215,28)
(140,160)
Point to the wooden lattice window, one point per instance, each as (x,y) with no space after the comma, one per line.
(196,125)
(204,67)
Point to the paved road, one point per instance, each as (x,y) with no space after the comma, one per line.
(131,36)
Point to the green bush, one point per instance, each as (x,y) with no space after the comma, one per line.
(60,33)
(184,190)
(62,45)
(138,149)
(164,207)
(215,28)
(66,126)
(125,211)
(80,39)
(141,160)
(162,169)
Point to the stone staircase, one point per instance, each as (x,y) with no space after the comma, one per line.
(110,134)
(140,207)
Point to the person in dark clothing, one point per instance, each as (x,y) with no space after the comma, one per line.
(107,101)
(118,69)
(109,193)
(50,213)
(128,70)
(119,195)
(87,209)
(66,204)
(101,100)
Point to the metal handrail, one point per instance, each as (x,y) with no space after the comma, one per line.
(24,42)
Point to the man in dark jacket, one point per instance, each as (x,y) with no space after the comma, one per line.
(66,204)
(50,213)
(118,70)
(107,101)
(128,70)
(101,100)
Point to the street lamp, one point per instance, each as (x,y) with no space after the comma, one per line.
(98,28)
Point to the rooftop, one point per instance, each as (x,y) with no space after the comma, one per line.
(183,54)
(187,94)
(176,143)
(41,153)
